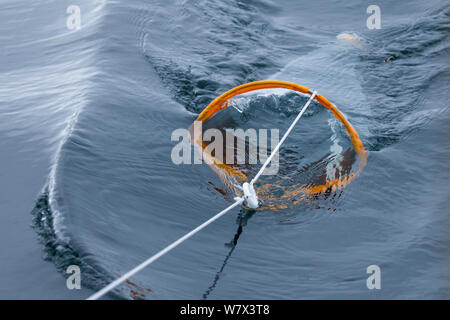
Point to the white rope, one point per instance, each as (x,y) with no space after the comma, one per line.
(238,201)
(274,152)
(144,264)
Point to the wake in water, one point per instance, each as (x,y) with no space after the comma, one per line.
(114,197)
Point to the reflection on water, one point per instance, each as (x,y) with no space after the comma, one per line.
(100,105)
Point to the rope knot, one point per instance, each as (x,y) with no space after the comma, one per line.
(250,197)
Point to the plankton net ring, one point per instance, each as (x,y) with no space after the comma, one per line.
(223,169)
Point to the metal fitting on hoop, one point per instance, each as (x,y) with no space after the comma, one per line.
(250,197)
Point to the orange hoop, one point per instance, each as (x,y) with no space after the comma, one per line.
(221,102)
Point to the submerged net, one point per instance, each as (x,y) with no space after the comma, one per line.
(322,155)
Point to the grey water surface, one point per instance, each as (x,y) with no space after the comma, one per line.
(86,176)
